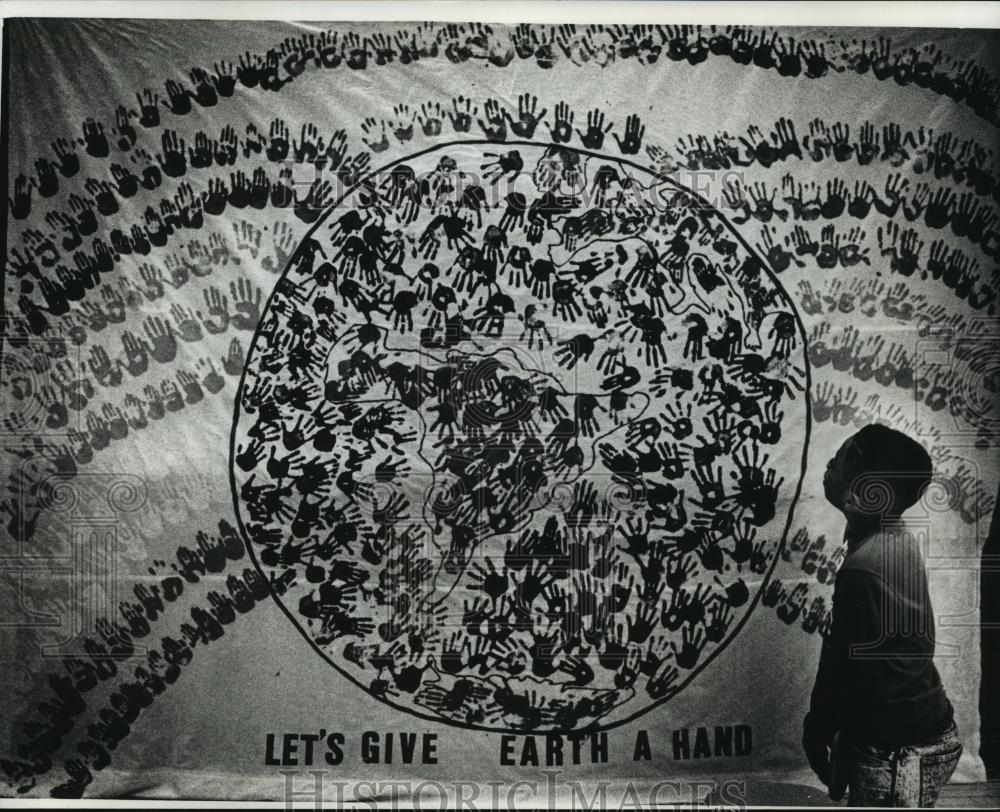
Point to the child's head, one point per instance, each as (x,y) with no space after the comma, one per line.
(877,472)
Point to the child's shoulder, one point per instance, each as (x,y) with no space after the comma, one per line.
(884,549)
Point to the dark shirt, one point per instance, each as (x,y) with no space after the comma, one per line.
(877,681)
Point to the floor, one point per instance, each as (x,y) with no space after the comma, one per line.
(766,793)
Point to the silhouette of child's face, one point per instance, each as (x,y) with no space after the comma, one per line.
(839,475)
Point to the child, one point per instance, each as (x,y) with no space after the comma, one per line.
(877,685)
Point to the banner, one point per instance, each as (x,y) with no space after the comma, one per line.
(403,411)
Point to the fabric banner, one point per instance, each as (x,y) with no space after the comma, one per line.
(400,410)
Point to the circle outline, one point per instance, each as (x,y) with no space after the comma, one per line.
(593,727)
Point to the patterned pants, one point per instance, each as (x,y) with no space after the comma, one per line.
(908,776)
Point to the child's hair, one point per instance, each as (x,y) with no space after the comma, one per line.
(898,460)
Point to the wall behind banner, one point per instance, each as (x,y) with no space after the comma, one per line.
(161,179)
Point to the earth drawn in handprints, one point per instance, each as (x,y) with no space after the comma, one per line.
(527,422)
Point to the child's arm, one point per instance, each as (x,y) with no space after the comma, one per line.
(855,633)
(826,707)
